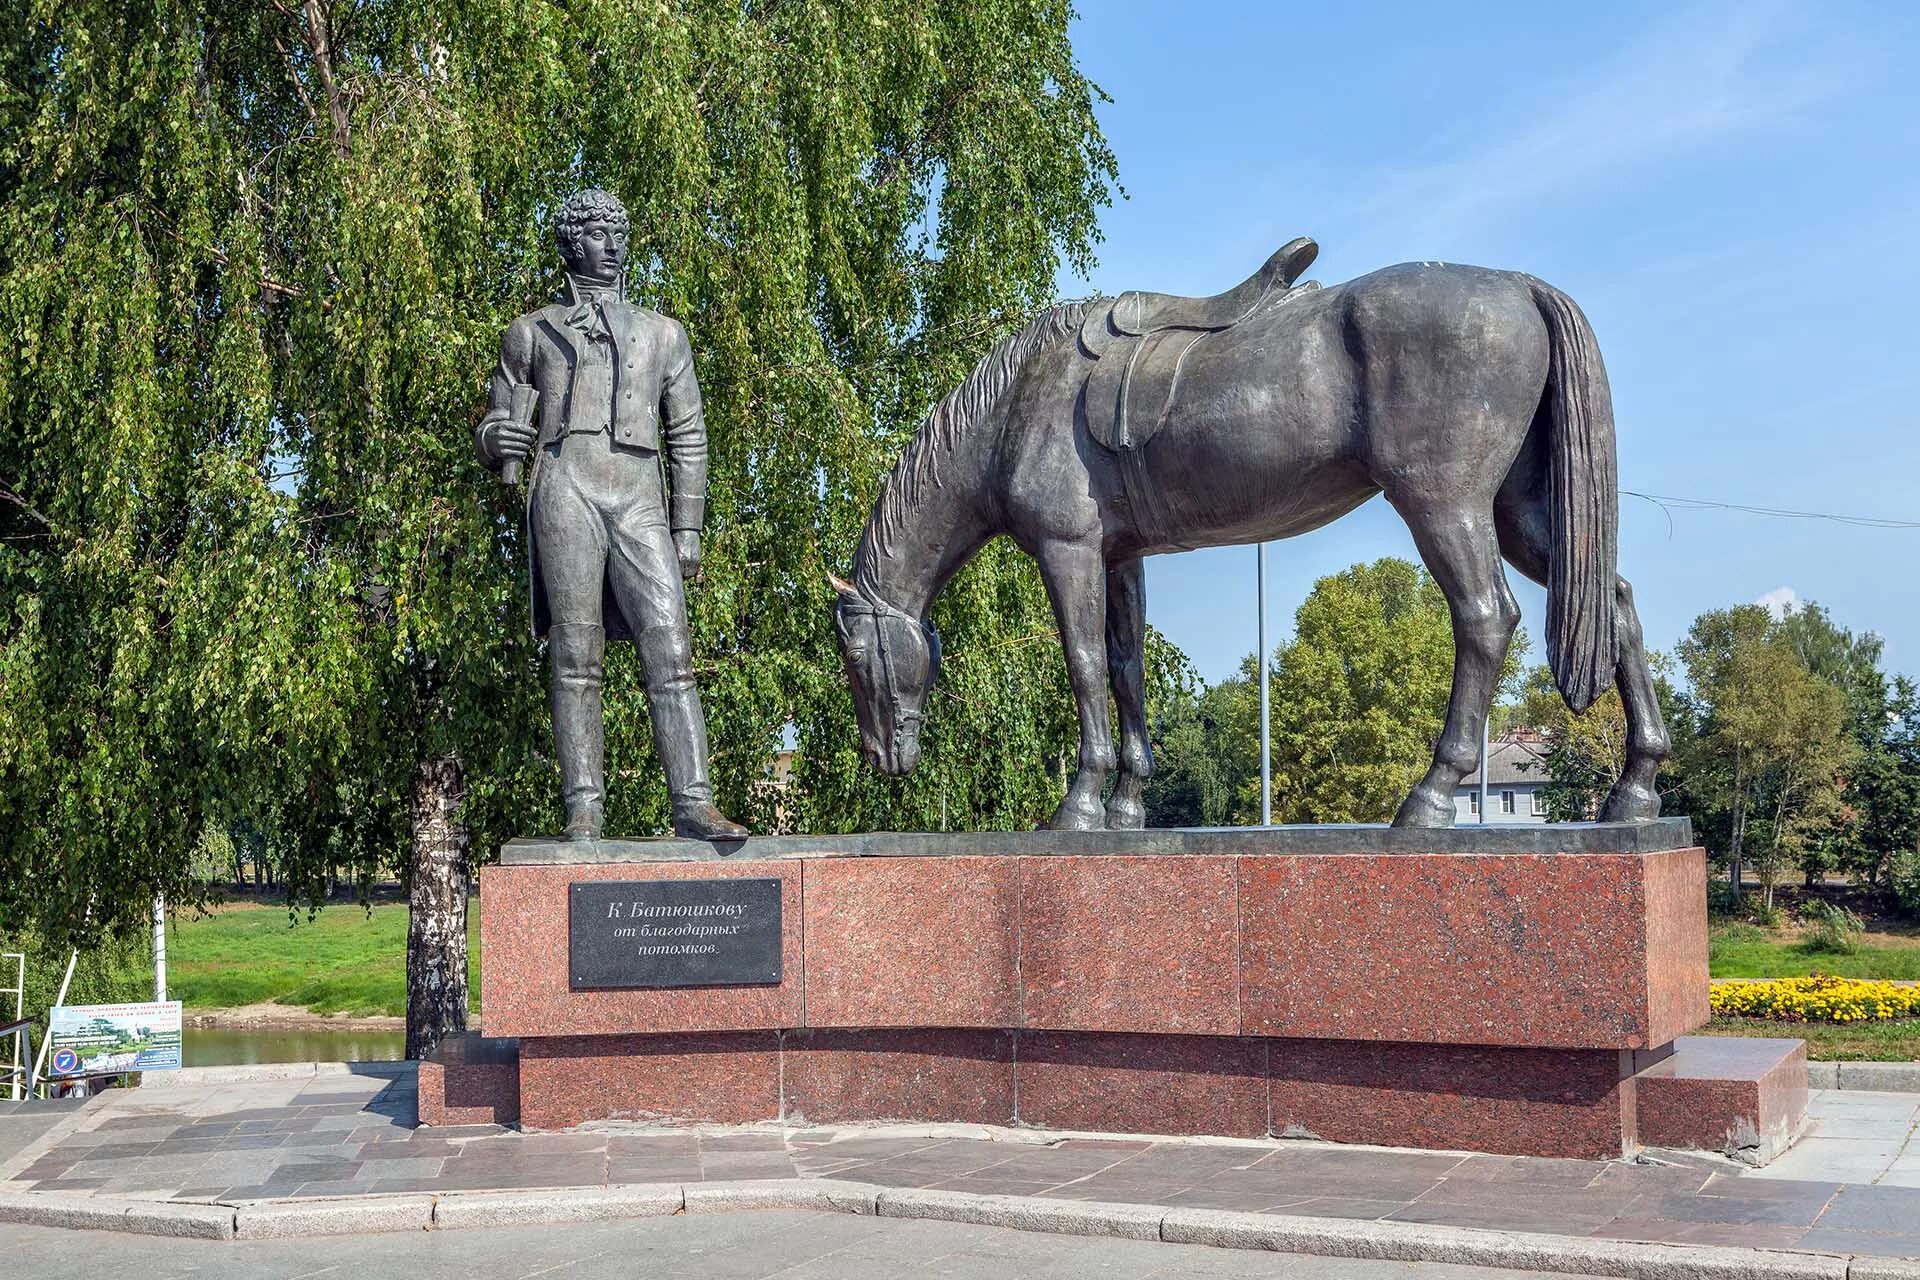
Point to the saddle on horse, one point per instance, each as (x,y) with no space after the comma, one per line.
(1139,341)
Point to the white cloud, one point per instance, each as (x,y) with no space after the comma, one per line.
(1696,78)
(1780,601)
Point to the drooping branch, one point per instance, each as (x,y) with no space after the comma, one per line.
(315,33)
(20,502)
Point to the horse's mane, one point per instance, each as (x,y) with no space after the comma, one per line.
(964,407)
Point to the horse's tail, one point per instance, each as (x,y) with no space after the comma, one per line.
(1584,501)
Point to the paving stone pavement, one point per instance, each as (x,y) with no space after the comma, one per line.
(341,1135)
(1856,1137)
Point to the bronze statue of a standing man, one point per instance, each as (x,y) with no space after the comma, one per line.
(610,549)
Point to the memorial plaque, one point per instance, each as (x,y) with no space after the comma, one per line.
(673,933)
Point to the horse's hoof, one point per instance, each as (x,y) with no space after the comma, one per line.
(1126,815)
(1630,803)
(1076,817)
(1423,808)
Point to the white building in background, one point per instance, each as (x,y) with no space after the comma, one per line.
(1516,776)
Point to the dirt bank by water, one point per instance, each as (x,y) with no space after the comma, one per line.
(268,1016)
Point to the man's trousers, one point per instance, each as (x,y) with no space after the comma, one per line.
(599,517)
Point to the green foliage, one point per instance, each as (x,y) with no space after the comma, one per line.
(1359,694)
(114,970)
(254,265)
(1722,901)
(1205,753)
(1831,928)
(1768,742)
(1903,883)
(1883,792)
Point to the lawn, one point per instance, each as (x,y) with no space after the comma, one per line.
(1897,1040)
(1737,949)
(344,960)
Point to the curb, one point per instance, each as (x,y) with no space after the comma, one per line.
(1877,1077)
(1220,1229)
(141,1217)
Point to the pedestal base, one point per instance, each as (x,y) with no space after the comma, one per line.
(1426,989)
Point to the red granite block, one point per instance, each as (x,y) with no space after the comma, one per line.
(1548,950)
(471,1079)
(911,942)
(1128,944)
(1744,1097)
(727,1078)
(523,946)
(850,1077)
(1211,1085)
(1545,1102)
(1676,943)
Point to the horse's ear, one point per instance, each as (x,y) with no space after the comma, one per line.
(841,585)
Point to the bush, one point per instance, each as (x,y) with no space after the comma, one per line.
(1903,883)
(1767,914)
(1831,927)
(1820,998)
(1721,899)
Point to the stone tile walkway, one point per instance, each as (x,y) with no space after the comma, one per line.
(1856,1137)
(356,1135)
(22,1123)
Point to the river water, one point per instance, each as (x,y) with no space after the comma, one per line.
(225,1046)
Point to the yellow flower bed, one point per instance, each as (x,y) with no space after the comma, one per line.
(1820,998)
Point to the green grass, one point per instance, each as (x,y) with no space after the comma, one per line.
(1741,950)
(344,960)
(1893,1041)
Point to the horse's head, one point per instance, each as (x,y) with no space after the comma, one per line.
(892,662)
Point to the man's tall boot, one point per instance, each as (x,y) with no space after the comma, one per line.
(680,735)
(579,736)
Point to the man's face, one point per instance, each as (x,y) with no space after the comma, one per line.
(601,251)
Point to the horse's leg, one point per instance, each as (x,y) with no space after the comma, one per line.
(1127,667)
(1462,552)
(1077,583)
(1633,797)
(1525,539)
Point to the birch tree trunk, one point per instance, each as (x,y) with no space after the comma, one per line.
(1734,854)
(437,908)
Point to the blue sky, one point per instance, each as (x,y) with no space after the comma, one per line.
(1730,190)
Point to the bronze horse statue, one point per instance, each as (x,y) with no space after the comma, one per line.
(1110,430)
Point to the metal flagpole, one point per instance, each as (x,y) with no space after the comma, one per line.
(1483,767)
(1260,658)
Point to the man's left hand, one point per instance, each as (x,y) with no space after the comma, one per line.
(686,542)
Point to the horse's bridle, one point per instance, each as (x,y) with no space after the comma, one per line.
(903,719)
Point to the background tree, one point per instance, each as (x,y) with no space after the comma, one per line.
(1884,792)
(1359,694)
(1881,790)
(255,261)
(1769,739)
(1206,763)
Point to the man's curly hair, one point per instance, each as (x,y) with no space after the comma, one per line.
(579,209)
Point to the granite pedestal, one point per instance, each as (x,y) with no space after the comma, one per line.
(1480,989)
